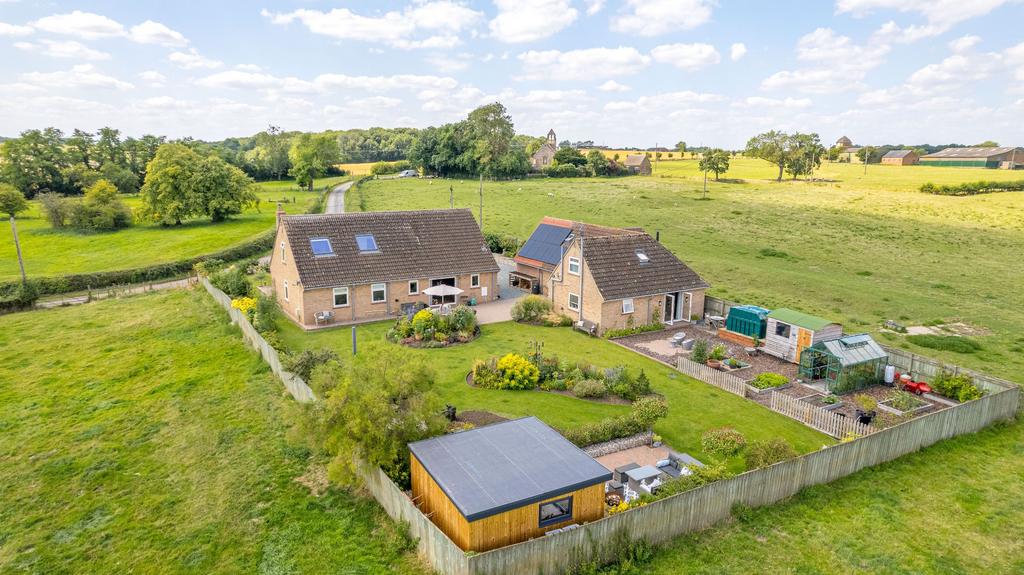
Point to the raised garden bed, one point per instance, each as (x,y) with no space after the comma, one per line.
(818,400)
(903,405)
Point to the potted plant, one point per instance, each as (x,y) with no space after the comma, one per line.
(716,356)
(866,406)
(655,440)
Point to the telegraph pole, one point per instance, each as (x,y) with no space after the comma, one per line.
(451,197)
(481,200)
(17,247)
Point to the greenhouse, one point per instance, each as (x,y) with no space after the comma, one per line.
(845,364)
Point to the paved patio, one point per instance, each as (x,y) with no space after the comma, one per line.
(643,455)
(500,310)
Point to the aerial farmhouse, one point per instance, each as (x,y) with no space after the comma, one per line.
(638,164)
(901,158)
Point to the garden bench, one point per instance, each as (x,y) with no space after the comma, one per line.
(588,327)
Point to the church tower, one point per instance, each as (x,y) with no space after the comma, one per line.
(552,139)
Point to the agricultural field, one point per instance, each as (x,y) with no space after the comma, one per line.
(164,445)
(359,169)
(859,249)
(50,252)
(694,407)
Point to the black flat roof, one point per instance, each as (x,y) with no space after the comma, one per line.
(492,469)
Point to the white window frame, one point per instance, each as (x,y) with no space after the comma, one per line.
(573,260)
(338,291)
(283,260)
(417,289)
(627,305)
(474,281)
(569,302)
(286,291)
(374,290)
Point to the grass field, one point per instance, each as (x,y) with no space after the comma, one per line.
(694,407)
(140,435)
(50,252)
(857,249)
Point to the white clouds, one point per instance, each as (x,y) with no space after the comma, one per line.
(737,51)
(528,20)
(1015,59)
(14,30)
(761,102)
(63,49)
(964,43)
(940,15)
(447,63)
(443,20)
(586,64)
(325,83)
(839,64)
(656,17)
(153,78)
(686,56)
(593,6)
(954,72)
(193,60)
(613,86)
(659,103)
(150,32)
(80,76)
(85,25)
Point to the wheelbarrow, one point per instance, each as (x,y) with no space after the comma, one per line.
(915,387)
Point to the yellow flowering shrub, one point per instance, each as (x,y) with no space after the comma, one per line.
(246,305)
(517,372)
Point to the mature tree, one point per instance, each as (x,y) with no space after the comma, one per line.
(79,147)
(33,163)
(867,154)
(988,144)
(56,208)
(270,154)
(312,155)
(833,153)
(108,147)
(772,147)
(570,156)
(565,144)
(223,190)
(373,407)
(681,146)
(492,134)
(804,154)
(181,184)
(138,153)
(598,163)
(12,202)
(715,161)
(513,164)
(101,209)
(529,143)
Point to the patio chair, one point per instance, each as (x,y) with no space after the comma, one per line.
(323,317)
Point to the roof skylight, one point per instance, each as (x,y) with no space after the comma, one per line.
(321,247)
(366,243)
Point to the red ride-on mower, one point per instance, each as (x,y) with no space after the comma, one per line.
(916,387)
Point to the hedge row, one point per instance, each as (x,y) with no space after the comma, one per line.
(79,282)
(973,188)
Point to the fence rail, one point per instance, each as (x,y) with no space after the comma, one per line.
(821,419)
(293,383)
(719,379)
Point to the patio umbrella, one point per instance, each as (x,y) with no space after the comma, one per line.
(442,290)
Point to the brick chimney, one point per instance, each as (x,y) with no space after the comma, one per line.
(280,214)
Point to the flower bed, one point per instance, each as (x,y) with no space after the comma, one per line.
(516,372)
(903,403)
(428,329)
(768,381)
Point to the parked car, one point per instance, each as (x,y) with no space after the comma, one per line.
(408,174)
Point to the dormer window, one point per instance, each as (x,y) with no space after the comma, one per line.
(321,247)
(366,243)
(642,257)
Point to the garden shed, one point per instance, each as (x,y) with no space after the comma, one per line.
(788,332)
(748,320)
(846,364)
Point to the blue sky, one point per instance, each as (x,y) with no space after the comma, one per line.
(637,72)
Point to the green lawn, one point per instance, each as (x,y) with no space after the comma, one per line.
(693,406)
(857,249)
(140,435)
(50,252)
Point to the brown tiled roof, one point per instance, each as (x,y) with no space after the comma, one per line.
(413,244)
(635,159)
(619,273)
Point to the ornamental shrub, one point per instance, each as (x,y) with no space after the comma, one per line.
(231,281)
(769,452)
(485,374)
(246,305)
(531,308)
(699,352)
(303,363)
(517,372)
(768,380)
(589,388)
(960,387)
(265,317)
(722,442)
(647,410)
(423,322)
(403,327)
(462,319)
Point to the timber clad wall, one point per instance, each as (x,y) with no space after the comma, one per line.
(501,529)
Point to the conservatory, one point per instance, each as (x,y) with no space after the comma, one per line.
(845,364)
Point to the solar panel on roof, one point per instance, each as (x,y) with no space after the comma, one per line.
(545,244)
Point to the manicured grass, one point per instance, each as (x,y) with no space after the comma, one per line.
(693,406)
(856,249)
(141,436)
(50,252)
(955,508)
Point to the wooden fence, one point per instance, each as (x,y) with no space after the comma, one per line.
(293,383)
(719,379)
(701,508)
(927,368)
(823,420)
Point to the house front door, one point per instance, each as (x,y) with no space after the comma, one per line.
(670,308)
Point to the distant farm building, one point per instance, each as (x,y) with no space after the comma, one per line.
(638,164)
(848,152)
(844,142)
(1004,158)
(542,158)
(901,158)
